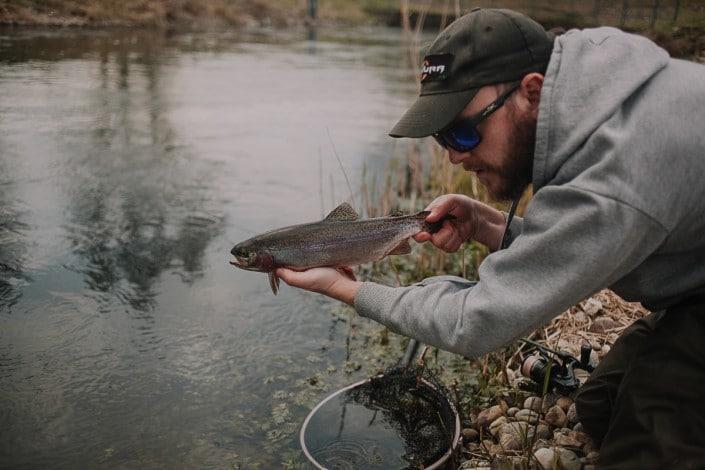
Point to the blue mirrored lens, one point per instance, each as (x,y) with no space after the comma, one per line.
(463,137)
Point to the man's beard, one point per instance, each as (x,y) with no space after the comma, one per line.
(515,173)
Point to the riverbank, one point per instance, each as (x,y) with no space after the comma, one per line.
(176,14)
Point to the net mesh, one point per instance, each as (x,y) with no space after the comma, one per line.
(417,405)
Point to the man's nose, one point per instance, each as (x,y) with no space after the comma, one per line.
(456,157)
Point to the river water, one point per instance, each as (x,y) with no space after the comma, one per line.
(130,163)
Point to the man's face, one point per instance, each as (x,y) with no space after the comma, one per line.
(503,160)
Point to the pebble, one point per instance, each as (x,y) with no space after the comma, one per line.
(543,431)
(580,317)
(592,457)
(564,403)
(470,435)
(556,417)
(548,401)
(533,403)
(567,460)
(522,431)
(512,411)
(546,457)
(579,427)
(496,425)
(528,416)
(509,441)
(487,416)
(474,447)
(573,414)
(605,349)
(474,463)
(592,306)
(568,438)
(602,325)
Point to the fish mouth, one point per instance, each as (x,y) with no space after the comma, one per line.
(242,263)
(239,262)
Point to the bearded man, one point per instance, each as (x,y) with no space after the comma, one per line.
(610,131)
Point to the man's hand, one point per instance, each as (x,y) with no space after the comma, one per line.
(338,283)
(473,220)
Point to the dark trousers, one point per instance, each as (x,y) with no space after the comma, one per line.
(645,402)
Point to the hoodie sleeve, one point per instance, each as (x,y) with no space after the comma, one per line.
(573,243)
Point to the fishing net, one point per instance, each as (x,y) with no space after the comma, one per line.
(401,419)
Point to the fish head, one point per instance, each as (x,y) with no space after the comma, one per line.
(251,257)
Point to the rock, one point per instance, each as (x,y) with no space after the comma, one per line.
(548,401)
(556,417)
(474,447)
(470,435)
(528,416)
(496,449)
(564,403)
(591,307)
(602,325)
(487,443)
(567,460)
(533,403)
(546,457)
(496,425)
(543,431)
(522,431)
(509,462)
(488,416)
(568,438)
(578,427)
(592,457)
(512,411)
(580,317)
(509,441)
(474,463)
(511,375)
(605,349)
(572,414)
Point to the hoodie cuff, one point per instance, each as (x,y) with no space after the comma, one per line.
(367,301)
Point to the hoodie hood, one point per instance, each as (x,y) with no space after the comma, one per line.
(591,74)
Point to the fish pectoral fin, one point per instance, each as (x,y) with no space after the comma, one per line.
(274,282)
(401,249)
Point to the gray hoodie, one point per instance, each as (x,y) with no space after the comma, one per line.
(619,202)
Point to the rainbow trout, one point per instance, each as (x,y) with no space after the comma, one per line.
(341,239)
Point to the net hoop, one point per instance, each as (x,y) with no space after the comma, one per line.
(457,437)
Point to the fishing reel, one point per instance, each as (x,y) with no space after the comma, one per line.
(555,370)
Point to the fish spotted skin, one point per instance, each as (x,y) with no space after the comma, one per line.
(341,239)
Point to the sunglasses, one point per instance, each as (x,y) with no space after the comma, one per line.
(462,134)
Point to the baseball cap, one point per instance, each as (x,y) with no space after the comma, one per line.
(484,47)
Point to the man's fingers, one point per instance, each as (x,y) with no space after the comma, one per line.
(287,275)
(422,237)
(443,236)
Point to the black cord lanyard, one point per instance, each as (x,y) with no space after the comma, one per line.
(506,239)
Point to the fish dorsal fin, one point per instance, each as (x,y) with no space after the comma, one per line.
(396,212)
(342,212)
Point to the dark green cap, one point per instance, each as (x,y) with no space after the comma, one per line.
(484,47)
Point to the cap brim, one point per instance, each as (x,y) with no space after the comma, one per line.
(431,113)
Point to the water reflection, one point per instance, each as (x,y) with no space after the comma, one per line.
(130,162)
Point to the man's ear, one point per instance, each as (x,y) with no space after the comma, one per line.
(530,92)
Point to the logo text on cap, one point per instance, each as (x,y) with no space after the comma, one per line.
(436,67)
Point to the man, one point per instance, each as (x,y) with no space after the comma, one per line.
(611,133)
